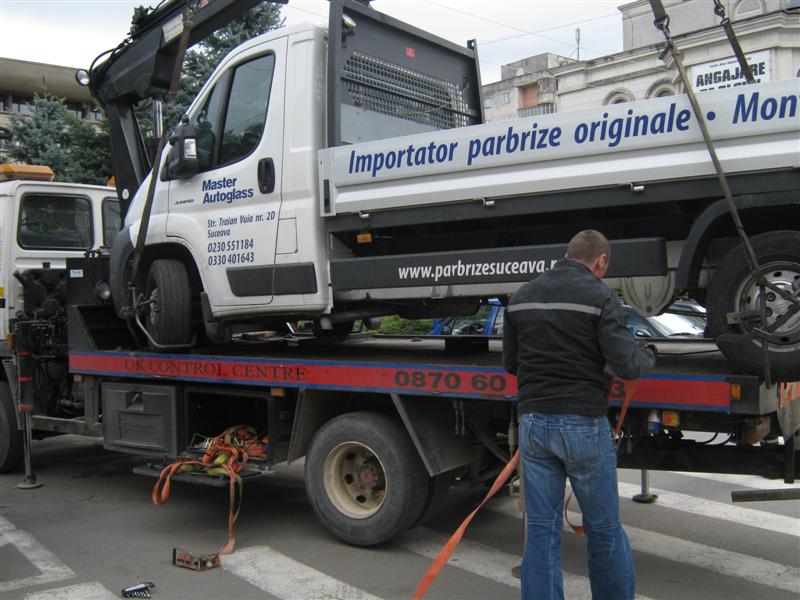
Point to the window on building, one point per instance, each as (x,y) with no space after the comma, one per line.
(505,98)
(747,8)
(75,109)
(22,104)
(664,92)
(529,96)
(618,96)
(95,114)
(487,102)
(48,221)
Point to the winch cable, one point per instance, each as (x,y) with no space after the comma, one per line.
(662,23)
(726,25)
(183,43)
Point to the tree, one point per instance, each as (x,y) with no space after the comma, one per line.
(42,137)
(52,136)
(201,60)
(89,154)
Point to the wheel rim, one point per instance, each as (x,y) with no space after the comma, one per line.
(355,480)
(784,275)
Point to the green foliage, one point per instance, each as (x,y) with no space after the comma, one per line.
(201,60)
(52,136)
(399,326)
(42,137)
(90,157)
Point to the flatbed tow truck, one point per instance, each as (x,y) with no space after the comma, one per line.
(692,380)
(386,425)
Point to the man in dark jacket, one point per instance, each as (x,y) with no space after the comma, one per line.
(560,332)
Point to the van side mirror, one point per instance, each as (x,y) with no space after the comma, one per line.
(182,160)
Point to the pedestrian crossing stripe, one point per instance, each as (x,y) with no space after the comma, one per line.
(486,561)
(85,591)
(288,579)
(725,562)
(50,566)
(719,510)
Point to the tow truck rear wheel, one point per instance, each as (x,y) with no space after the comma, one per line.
(364,478)
(734,289)
(168,318)
(10,435)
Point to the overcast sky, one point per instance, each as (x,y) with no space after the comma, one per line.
(73,32)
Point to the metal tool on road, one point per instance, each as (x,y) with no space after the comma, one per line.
(195,562)
(140,590)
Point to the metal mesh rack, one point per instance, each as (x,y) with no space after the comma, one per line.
(381,86)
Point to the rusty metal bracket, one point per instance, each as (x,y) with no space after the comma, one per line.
(195,562)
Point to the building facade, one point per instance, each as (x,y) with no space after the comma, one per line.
(768,31)
(20,80)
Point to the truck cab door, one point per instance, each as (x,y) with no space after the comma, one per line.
(227,214)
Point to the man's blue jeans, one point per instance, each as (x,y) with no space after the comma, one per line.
(554,447)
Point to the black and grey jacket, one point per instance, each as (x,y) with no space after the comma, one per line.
(559,332)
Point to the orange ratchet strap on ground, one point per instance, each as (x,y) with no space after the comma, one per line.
(450,546)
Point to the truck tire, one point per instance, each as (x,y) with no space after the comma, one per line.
(364,478)
(438,487)
(169,316)
(10,435)
(734,289)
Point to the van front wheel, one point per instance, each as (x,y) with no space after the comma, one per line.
(168,314)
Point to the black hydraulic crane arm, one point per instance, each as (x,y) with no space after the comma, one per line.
(141,67)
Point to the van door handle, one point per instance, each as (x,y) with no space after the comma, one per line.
(266,176)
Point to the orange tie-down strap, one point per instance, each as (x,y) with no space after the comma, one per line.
(630,390)
(450,546)
(233,510)
(162,487)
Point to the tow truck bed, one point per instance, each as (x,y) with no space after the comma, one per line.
(689,376)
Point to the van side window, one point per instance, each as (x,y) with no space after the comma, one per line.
(207,125)
(48,221)
(231,122)
(247,108)
(111,220)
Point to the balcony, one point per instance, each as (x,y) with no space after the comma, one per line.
(544,108)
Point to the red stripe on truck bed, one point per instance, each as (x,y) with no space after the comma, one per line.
(688,392)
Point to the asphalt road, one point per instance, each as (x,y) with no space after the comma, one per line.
(92,530)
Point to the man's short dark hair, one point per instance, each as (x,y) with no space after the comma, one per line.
(587,245)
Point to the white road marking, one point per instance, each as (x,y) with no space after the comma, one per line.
(482,560)
(52,569)
(5,524)
(751,481)
(718,510)
(725,562)
(85,591)
(288,579)
(486,561)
